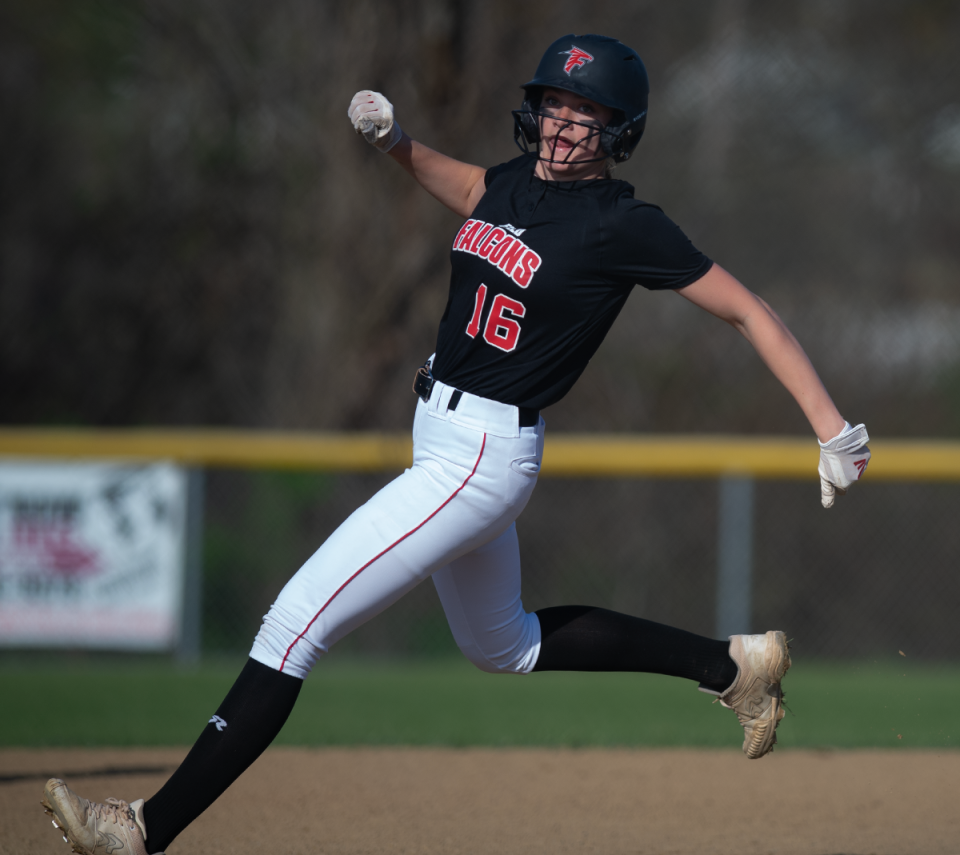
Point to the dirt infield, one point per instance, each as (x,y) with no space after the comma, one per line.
(352,801)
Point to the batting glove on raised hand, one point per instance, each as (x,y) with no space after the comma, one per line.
(372,116)
(842,461)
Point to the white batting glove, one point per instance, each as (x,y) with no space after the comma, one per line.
(372,116)
(842,461)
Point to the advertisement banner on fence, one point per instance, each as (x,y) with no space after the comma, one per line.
(91,555)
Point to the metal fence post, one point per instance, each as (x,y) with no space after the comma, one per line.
(734,556)
(188,645)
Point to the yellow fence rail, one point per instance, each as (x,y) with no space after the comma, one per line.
(565,455)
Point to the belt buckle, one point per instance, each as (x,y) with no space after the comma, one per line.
(423,382)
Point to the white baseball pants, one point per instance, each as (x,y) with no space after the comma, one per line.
(450,516)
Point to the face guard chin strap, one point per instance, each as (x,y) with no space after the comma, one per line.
(525,119)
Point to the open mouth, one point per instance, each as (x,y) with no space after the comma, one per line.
(566,149)
(562,143)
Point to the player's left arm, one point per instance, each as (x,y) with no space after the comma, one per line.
(724,296)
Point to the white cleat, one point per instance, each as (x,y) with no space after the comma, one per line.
(756,696)
(91,828)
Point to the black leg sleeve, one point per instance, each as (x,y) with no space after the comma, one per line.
(247,721)
(584,638)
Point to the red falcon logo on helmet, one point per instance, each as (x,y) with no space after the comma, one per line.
(578,58)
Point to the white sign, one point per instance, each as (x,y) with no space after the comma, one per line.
(91,554)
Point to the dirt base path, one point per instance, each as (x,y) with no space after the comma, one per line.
(521,802)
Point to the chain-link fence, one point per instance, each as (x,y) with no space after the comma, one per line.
(873,576)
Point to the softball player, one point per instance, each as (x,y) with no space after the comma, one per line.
(549,251)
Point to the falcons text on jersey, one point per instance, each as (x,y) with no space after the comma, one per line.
(502,250)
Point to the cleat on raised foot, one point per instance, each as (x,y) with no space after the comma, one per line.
(112,828)
(756,695)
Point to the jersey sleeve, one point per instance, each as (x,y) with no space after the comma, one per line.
(645,247)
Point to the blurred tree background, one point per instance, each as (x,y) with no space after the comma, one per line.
(192,234)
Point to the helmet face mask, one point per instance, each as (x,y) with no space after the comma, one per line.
(529,136)
(600,69)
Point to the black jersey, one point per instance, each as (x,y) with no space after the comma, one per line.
(540,272)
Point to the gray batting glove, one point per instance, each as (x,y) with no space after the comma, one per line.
(372,116)
(842,461)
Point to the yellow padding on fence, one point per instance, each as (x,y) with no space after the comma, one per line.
(565,455)
(691,456)
(351,452)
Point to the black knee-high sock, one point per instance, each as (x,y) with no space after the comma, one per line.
(247,721)
(583,638)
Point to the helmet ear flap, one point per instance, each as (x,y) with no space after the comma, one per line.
(618,141)
(610,140)
(528,120)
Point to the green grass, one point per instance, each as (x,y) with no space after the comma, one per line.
(91,702)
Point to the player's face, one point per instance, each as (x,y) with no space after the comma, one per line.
(570,136)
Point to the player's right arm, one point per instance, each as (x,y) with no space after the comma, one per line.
(457,185)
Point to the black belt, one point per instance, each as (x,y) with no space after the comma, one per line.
(423,386)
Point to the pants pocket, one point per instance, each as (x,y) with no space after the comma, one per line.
(526,465)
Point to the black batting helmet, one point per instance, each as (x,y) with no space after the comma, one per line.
(599,68)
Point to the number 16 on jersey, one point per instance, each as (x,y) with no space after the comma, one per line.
(502,329)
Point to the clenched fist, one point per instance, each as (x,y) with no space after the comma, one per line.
(372,116)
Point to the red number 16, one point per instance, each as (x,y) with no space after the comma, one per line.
(502,331)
